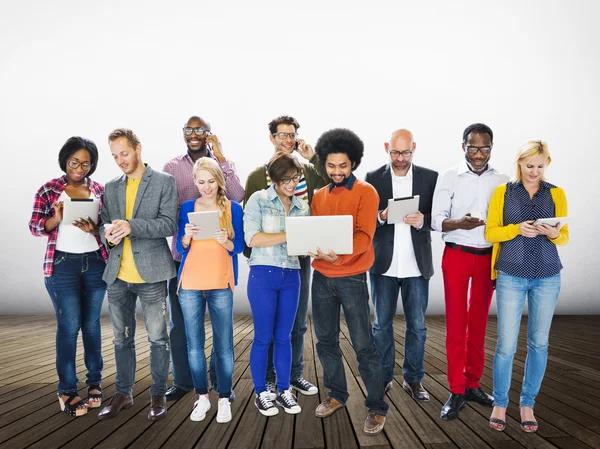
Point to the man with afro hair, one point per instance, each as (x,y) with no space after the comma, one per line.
(342,280)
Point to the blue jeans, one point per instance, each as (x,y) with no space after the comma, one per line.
(542,295)
(180,365)
(415,295)
(77,291)
(220,307)
(299,328)
(121,305)
(273,294)
(351,293)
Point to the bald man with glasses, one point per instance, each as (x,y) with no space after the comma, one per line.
(403,262)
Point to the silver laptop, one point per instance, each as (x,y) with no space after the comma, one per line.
(326,232)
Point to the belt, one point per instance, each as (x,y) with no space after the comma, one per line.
(470,249)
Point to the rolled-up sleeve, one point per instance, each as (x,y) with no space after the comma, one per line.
(233,186)
(252,218)
(442,201)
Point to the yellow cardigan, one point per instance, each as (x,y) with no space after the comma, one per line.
(496,232)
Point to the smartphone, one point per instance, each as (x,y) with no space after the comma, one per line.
(296,147)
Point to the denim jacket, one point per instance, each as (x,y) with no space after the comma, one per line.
(264,212)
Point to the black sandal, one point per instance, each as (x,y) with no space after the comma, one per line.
(78,409)
(532,424)
(95,403)
(501,424)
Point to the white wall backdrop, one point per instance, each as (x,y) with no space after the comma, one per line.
(529,69)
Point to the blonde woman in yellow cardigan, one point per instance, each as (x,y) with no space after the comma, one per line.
(526,265)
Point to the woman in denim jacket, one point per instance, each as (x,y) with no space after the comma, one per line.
(274,283)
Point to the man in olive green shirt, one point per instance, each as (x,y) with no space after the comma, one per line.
(284,137)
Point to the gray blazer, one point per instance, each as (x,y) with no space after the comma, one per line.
(154,219)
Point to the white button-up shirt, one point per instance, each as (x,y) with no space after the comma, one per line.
(404,263)
(458,192)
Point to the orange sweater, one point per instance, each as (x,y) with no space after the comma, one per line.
(362,202)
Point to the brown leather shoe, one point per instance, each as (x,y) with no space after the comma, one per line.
(327,407)
(158,407)
(374,423)
(117,402)
(416,391)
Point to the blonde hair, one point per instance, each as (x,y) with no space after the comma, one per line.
(211,166)
(529,150)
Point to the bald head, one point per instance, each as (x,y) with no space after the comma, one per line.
(196,120)
(401,148)
(404,139)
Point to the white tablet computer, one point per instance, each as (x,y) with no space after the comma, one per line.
(327,232)
(551,221)
(398,208)
(76,208)
(208,221)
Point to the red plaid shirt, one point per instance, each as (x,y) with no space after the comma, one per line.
(45,197)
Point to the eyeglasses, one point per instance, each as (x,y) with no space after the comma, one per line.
(187,130)
(76,164)
(396,154)
(285,135)
(286,179)
(484,150)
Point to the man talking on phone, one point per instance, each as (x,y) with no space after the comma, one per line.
(283,133)
(200,142)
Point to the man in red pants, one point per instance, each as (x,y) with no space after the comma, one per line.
(459,210)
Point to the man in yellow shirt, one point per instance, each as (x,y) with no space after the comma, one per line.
(139,213)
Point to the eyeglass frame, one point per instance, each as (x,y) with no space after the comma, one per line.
(394,154)
(484,150)
(294,135)
(72,163)
(287,179)
(203,131)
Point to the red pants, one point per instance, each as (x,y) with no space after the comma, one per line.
(466,315)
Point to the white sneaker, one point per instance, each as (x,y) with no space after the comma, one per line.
(201,407)
(224,413)
(272,390)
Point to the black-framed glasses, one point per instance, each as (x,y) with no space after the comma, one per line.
(187,130)
(396,154)
(484,150)
(76,164)
(285,135)
(287,179)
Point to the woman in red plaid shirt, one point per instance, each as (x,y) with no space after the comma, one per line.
(73,267)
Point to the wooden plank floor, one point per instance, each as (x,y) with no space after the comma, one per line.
(567,407)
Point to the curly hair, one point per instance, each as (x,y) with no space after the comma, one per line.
(340,140)
(74,144)
(211,166)
(478,128)
(283,120)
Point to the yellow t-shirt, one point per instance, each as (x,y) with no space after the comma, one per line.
(128,271)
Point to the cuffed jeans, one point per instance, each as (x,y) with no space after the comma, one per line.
(121,305)
(77,291)
(180,365)
(273,294)
(299,328)
(351,293)
(542,295)
(415,295)
(220,308)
